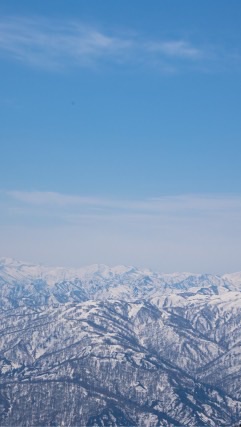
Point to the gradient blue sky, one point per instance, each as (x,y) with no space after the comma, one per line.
(120,133)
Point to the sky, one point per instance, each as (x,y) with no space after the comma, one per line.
(120,133)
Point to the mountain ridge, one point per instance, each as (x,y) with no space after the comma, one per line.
(63,273)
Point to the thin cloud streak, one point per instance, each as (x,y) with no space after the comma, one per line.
(53,198)
(45,43)
(185,232)
(189,204)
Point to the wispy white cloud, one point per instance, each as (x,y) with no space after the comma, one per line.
(44,43)
(52,43)
(176,48)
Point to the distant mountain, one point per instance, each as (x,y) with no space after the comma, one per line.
(34,285)
(101,346)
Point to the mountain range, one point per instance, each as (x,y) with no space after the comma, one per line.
(118,346)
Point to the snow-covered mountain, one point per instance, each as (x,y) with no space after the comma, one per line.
(24,283)
(101,346)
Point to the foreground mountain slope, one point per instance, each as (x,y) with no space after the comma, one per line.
(216,318)
(118,346)
(93,349)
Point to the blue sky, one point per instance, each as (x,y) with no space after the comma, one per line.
(120,133)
